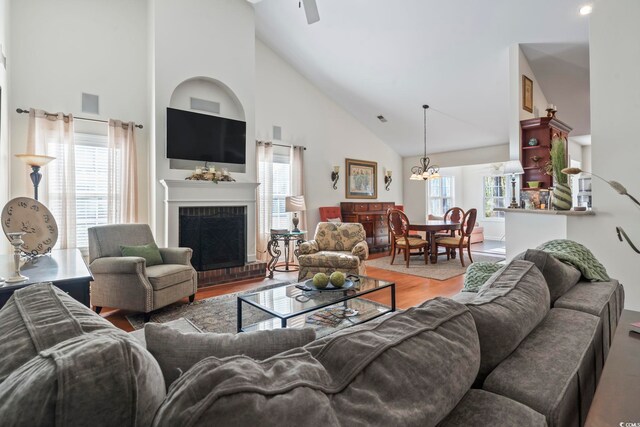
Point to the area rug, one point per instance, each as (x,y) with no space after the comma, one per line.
(219,314)
(442,270)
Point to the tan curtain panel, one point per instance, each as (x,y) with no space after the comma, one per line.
(53,135)
(297,181)
(122,187)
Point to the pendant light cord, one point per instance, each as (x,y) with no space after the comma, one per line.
(425,129)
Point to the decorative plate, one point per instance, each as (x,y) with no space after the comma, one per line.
(348,284)
(32,217)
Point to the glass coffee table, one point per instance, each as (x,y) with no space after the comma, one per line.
(289,306)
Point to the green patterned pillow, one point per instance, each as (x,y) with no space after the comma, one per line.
(477,275)
(149,252)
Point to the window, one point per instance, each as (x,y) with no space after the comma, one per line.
(91,175)
(281,187)
(440,195)
(495,196)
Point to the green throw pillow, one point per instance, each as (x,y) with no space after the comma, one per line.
(477,275)
(149,252)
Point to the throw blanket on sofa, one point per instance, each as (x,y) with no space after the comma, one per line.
(577,255)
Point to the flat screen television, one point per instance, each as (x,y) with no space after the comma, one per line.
(205,138)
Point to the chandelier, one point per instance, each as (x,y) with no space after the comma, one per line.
(425,170)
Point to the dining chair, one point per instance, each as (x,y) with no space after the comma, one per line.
(453,215)
(398,224)
(411,234)
(463,240)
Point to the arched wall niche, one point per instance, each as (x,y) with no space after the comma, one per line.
(212,90)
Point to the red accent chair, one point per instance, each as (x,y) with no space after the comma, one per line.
(330,212)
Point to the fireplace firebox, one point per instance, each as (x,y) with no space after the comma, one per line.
(217,235)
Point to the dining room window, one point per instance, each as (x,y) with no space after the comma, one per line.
(441,192)
(495,196)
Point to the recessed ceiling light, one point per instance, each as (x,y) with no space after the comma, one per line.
(586,9)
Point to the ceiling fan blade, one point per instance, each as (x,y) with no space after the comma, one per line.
(311,10)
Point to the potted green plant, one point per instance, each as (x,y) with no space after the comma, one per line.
(561,190)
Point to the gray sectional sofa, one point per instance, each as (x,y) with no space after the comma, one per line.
(526,350)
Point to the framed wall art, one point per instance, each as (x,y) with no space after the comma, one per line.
(527,94)
(362,179)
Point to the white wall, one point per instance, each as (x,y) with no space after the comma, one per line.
(586,158)
(63,48)
(309,118)
(4,121)
(615,108)
(519,65)
(199,38)
(414,192)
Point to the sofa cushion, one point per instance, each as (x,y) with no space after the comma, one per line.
(481,408)
(553,371)
(412,368)
(38,317)
(332,259)
(506,309)
(560,277)
(602,299)
(150,253)
(96,379)
(164,275)
(188,348)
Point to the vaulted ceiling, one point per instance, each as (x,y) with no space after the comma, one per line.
(391,56)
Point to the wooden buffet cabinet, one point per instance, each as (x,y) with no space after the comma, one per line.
(544,129)
(373,217)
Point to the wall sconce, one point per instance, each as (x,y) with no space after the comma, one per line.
(335,176)
(387,180)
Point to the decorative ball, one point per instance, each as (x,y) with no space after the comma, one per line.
(337,279)
(320,280)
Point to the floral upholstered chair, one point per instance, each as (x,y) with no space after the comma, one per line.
(336,247)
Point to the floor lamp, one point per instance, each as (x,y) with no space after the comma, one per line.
(513,168)
(36,161)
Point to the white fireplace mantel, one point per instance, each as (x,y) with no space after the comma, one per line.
(186,193)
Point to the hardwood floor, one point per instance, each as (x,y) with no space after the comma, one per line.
(410,290)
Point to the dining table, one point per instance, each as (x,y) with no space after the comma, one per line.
(432,227)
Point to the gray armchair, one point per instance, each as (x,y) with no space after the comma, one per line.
(126,282)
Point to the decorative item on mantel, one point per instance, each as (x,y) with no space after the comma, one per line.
(620,189)
(210,174)
(561,190)
(551,110)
